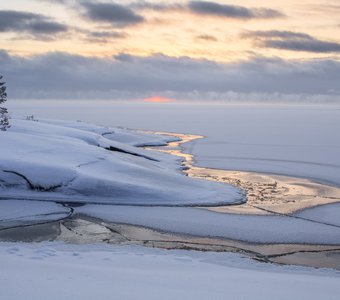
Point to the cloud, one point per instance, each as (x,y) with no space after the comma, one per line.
(61,75)
(211,9)
(67,2)
(207,37)
(113,13)
(307,45)
(275,34)
(105,36)
(56,1)
(294,41)
(39,26)
(231,11)
(157,6)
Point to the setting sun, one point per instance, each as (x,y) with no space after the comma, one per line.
(158,99)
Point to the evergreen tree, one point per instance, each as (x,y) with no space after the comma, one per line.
(4,121)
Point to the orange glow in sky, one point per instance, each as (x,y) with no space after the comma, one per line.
(158,99)
(172,28)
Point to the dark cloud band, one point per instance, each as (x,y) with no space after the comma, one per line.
(115,14)
(231,11)
(294,41)
(35,24)
(60,75)
(211,8)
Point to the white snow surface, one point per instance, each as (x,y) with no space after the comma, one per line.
(201,222)
(70,158)
(123,135)
(69,162)
(60,271)
(328,213)
(294,140)
(18,212)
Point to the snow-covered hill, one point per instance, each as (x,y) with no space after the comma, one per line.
(75,161)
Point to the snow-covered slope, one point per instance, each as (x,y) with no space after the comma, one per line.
(73,161)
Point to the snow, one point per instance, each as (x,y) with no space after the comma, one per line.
(60,162)
(85,171)
(201,222)
(123,135)
(300,141)
(59,271)
(70,162)
(18,212)
(329,213)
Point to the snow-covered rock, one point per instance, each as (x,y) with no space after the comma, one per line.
(74,161)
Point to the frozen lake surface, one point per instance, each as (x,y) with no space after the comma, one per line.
(298,141)
(85,172)
(301,141)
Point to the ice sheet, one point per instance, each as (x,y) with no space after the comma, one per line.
(329,213)
(200,222)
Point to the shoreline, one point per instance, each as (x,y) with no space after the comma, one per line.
(266,194)
(83,229)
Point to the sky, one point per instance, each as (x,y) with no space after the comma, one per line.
(175,49)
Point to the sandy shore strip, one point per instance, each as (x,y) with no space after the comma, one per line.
(266,193)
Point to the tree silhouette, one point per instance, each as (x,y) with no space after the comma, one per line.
(4,121)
